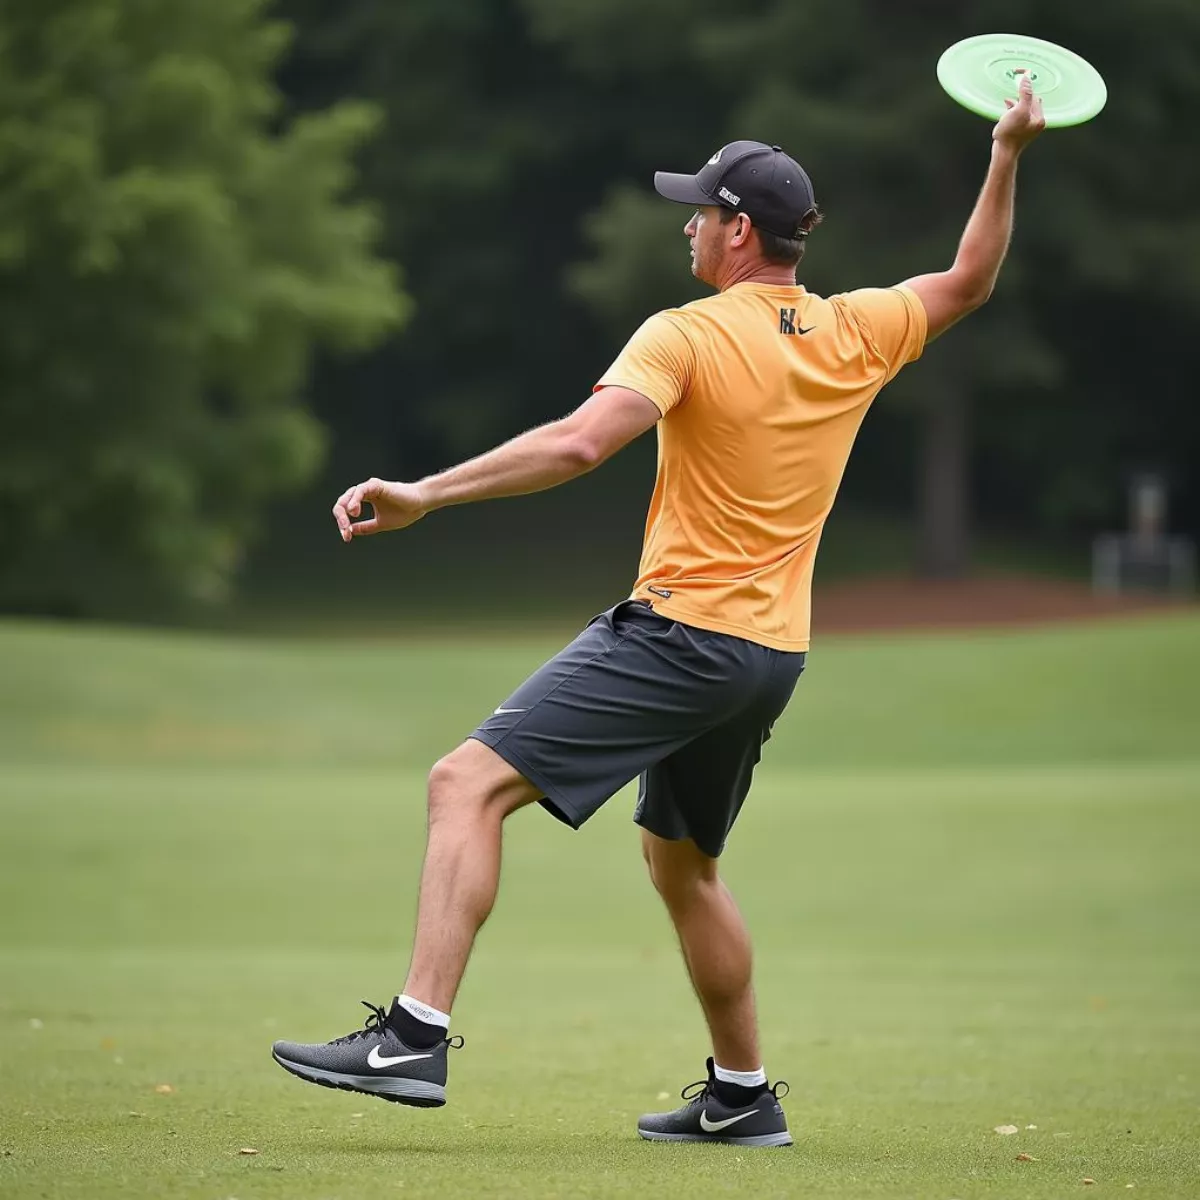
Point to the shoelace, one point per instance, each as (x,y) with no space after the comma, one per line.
(376,1022)
(708,1087)
(373,1024)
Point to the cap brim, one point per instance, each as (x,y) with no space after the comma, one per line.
(683,189)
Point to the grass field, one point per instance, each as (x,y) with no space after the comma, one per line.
(971,864)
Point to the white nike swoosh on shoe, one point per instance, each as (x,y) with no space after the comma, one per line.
(499,712)
(378,1061)
(715,1126)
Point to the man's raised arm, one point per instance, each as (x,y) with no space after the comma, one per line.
(948,296)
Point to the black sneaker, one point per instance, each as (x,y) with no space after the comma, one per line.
(705,1119)
(373,1060)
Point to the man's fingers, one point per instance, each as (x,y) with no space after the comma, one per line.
(363,528)
(349,504)
(357,492)
(364,491)
(1029,104)
(343,501)
(339,514)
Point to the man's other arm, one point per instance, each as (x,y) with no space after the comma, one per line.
(535,460)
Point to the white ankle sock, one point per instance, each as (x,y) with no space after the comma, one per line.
(741,1078)
(424,1012)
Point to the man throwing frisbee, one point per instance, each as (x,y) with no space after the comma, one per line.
(757,393)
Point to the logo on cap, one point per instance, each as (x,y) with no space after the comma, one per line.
(726,194)
(716,158)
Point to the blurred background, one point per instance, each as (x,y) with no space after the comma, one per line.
(253,252)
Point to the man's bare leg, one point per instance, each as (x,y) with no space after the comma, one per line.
(736,1106)
(401,1055)
(715,944)
(471,791)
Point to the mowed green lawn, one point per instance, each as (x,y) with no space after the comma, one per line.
(971,865)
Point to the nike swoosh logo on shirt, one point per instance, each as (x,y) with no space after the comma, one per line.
(378,1061)
(715,1126)
(501,711)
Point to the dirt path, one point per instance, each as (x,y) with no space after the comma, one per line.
(906,603)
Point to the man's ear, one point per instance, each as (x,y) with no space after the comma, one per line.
(742,228)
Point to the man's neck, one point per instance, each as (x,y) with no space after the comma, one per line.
(757,271)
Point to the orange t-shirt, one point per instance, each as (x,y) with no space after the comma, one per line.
(762,390)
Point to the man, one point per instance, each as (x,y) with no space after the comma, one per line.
(758,393)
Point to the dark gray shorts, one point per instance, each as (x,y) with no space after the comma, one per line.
(638,694)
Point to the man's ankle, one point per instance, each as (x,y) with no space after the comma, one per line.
(737,1089)
(419,1025)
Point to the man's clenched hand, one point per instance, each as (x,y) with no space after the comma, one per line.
(1023,121)
(396,506)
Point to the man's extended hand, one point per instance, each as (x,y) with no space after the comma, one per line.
(1023,121)
(396,506)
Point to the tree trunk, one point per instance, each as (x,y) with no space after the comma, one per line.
(943,549)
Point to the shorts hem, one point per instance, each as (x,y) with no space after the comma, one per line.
(555,801)
(640,821)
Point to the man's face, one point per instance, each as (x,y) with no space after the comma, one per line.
(707,236)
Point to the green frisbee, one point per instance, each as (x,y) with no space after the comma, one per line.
(982,72)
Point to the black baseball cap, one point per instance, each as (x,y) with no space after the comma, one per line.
(770,187)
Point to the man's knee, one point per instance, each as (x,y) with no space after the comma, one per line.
(473,779)
(679,870)
(447,785)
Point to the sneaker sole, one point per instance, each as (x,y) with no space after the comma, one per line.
(414,1092)
(763,1140)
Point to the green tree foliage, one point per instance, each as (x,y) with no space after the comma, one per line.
(170,253)
(491,153)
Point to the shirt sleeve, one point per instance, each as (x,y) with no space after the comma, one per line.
(893,321)
(659,361)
